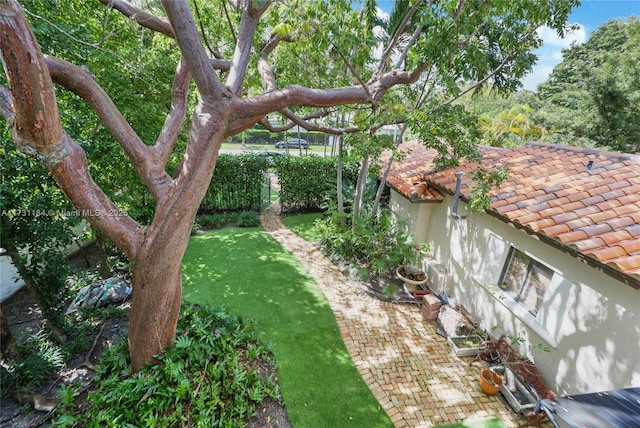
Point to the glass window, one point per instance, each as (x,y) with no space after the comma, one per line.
(526,280)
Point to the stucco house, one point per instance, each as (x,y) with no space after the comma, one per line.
(555,261)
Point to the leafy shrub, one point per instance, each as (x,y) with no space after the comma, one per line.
(218,220)
(210,378)
(308,182)
(248,219)
(373,245)
(214,221)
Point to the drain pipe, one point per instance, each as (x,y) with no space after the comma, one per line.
(456,196)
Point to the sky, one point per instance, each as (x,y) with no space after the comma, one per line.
(589,16)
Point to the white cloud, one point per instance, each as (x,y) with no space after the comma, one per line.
(551,38)
(539,74)
(550,54)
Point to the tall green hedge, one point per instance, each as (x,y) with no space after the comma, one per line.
(306,182)
(236,184)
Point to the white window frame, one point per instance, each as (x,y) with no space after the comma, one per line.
(533,265)
(517,308)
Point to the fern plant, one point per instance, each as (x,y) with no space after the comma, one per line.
(211,377)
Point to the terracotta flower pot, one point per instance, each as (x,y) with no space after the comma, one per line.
(490,382)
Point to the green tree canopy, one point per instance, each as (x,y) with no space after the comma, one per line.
(592,97)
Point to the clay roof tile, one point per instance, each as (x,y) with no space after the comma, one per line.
(573,236)
(597,229)
(579,223)
(627,263)
(631,246)
(556,230)
(593,200)
(602,216)
(607,253)
(631,189)
(587,244)
(615,236)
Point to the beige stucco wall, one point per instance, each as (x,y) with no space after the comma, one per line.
(589,321)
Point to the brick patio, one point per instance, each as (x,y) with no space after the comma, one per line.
(407,366)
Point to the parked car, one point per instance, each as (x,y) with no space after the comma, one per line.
(271,156)
(293,143)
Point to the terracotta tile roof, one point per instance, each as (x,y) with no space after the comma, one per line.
(406,177)
(584,201)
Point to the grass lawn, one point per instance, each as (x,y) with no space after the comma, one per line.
(302,225)
(251,274)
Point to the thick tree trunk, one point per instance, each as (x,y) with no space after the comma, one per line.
(157,283)
(157,286)
(155,306)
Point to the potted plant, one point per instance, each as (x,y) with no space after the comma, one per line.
(411,273)
(490,382)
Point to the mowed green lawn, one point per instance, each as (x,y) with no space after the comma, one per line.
(250,273)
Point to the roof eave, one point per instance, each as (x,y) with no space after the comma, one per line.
(594,263)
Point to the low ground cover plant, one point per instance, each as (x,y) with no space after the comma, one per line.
(214,376)
(40,357)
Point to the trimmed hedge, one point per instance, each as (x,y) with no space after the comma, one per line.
(236,184)
(307,183)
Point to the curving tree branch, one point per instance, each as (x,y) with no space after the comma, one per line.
(304,123)
(302,96)
(38,132)
(248,23)
(157,24)
(263,66)
(177,113)
(143,18)
(81,83)
(188,38)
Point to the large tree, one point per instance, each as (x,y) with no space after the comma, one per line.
(460,41)
(591,97)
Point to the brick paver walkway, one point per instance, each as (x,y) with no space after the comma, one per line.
(407,366)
